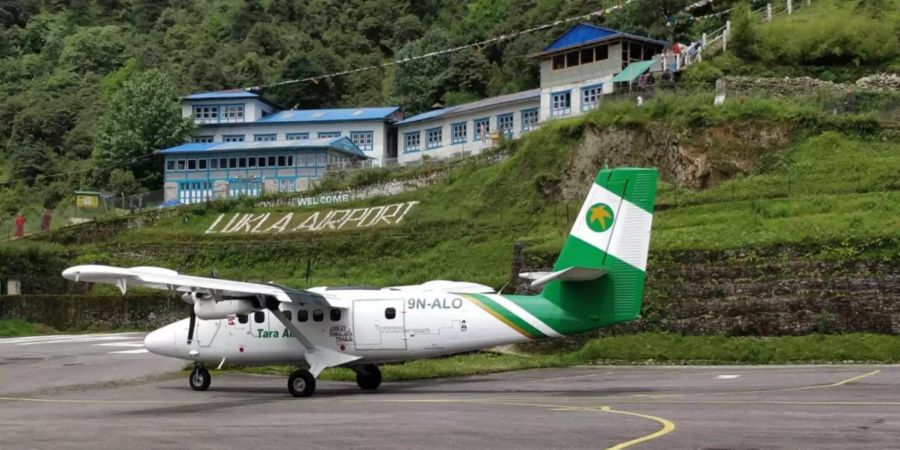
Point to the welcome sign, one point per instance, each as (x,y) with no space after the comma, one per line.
(331,220)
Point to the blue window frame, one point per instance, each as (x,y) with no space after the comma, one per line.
(170,165)
(201,139)
(268,137)
(328,134)
(434,137)
(233,138)
(412,142)
(590,97)
(561,103)
(232,113)
(529,119)
(297,136)
(505,124)
(206,113)
(365,140)
(458,133)
(481,128)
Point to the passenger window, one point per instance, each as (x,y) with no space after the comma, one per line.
(335,315)
(318,315)
(259,316)
(390,313)
(242,318)
(302,315)
(287,315)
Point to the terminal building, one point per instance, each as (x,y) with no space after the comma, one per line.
(246,145)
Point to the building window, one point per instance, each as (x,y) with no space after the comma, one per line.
(458,133)
(412,142)
(233,113)
(271,161)
(328,134)
(262,161)
(590,97)
(482,128)
(232,163)
(587,56)
(434,137)
(180,164)
(233,138)
(282,161)
(290,161)
(529,119)
(251,162)
(201,164)
(505,124)
(297,136)
(201,140)
(572,59)
(321,160)
(214,163)
(242,163)
(363,139)
(206,114)
(265,137)
(559,62)
(223,163)
(561,104)
(601,52)
(170,165)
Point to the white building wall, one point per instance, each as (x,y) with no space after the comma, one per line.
(575,90)
(281,130)
(447,148)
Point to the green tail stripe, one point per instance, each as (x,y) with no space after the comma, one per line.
(508,315)
(638,186)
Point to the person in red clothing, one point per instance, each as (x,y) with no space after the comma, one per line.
(20,225)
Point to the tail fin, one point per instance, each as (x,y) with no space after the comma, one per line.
(609,240)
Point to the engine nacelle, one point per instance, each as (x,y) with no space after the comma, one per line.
(209,309)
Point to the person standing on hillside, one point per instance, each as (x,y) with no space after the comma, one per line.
(45,219)
(20,225)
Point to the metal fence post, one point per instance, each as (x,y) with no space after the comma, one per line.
(790,7)
(725,35)
(768,12)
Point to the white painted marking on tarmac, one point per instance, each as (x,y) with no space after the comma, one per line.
(81,339)
(727,377)
(121,344)
(132,352)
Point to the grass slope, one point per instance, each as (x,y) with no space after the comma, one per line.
(19,327)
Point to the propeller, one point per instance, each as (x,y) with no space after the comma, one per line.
(193,320)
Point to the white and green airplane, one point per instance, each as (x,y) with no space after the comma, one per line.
(597,281)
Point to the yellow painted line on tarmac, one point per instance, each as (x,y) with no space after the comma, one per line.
(803,388)
(668,427)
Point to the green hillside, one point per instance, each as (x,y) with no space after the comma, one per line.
(832,186)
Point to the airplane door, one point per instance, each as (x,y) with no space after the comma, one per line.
(206,331)
(379,325)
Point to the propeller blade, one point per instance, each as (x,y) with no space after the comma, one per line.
(191,326)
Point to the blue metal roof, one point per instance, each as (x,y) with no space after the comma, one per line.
(231,93)
(585,33)
(329,115)
(529,95)
(342,144)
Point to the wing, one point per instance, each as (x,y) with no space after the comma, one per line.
(170,280)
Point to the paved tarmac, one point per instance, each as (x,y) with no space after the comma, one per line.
(76,393)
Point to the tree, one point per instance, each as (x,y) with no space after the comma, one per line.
(122,182)
(94,49)
(30,159)
(744,39)
(144,115)
(421,83)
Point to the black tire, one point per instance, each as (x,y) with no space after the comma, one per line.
(199,379)
(369,378)
(301,383)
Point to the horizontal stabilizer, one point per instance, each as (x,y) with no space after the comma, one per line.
(567,274)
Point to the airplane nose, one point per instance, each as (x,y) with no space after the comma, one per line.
(161,341)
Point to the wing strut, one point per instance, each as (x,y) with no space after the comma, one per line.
(318,358)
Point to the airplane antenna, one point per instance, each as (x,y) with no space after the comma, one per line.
(504,287)
(308,270)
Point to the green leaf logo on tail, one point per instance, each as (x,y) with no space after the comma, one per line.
(599,217)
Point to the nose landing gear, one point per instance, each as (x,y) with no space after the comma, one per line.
(199,378)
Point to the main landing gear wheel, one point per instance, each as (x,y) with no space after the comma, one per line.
(301,383)
(369,377)
(200,379)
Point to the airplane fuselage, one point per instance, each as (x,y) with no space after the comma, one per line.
(380,326)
